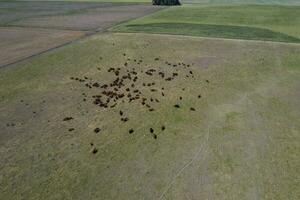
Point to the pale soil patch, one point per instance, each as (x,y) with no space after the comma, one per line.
(19,43)
(14,11)
(207,61)
(98,18)
(23,34)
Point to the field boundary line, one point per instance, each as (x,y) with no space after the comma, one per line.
(45,28)
(210,38)
(48,50)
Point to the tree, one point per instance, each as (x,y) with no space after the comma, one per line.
(166,2)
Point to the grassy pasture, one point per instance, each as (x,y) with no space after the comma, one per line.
(230,2)
(229,108)
(264,22)
(241,142)
(84,1)
(224,2)
(216,31)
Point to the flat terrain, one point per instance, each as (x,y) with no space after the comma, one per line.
(273,23)
(89,19)
(121,113)
(220,120)
(223,2)
(12,11)
(20,22)
(18,43)
(231,2)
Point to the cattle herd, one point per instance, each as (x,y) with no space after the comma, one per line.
(129,85)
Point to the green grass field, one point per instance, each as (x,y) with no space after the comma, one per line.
(230,2)
(84,1)
(240,142)
(122,115)
(274,23)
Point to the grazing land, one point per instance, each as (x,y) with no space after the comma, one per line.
(224,2)
(274,23)
(121,113)
(233,2)
(239,141)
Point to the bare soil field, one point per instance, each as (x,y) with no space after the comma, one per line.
(29,28)
(19,43)
(14,11)
(97,18)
